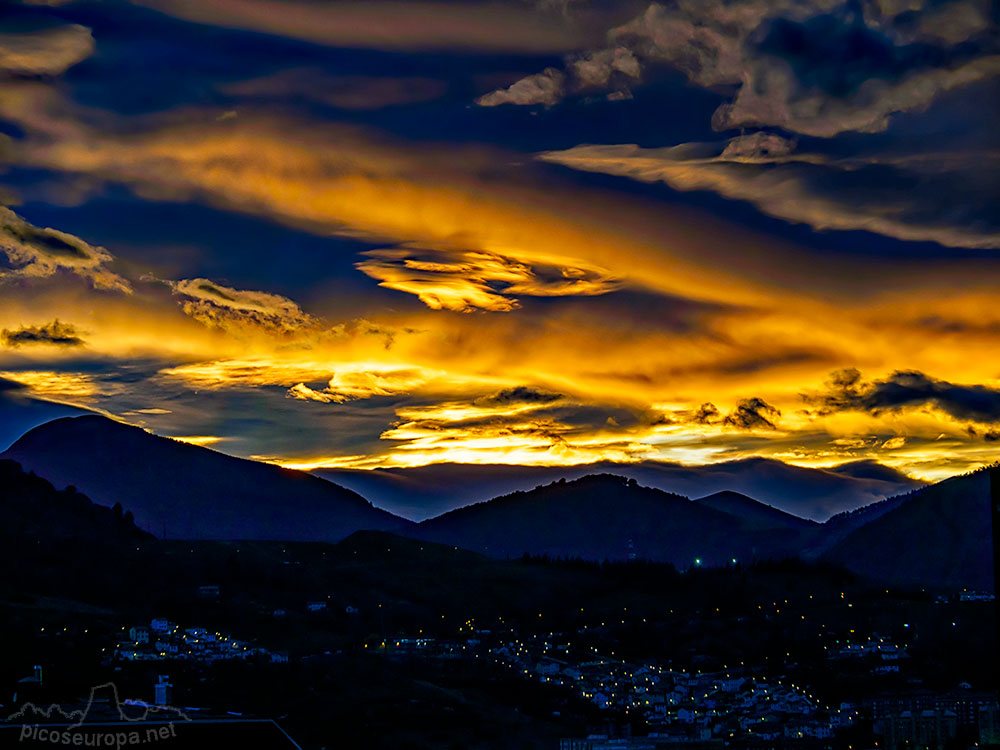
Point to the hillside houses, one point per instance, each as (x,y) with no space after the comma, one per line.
(163,640)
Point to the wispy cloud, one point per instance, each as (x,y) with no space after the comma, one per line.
(395,24)
(343,92)
(46,52)
(36,252)
(236,310)
(464,280)
(910,197)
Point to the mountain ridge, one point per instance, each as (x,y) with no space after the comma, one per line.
(191,491)
(423,492)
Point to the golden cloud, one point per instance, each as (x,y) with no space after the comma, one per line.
(47,52)
(463,280)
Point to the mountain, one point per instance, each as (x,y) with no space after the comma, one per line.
(938,536)
(190,492)
(422,492)
(755,514)
(605,517)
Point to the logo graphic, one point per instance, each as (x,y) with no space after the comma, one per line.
(144,712)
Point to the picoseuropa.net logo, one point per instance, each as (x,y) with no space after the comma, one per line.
(94,737)
(133,723)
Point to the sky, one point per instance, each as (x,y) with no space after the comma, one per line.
(389,233)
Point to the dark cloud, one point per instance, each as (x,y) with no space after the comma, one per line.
(55,333)
(989,436)
(848,391)
(749,414)
(706,414)
(820,67)
(752,414)
(518,395)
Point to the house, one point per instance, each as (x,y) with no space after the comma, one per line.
(162,625)
(601,700)
(732,684)
(139,634)
(315,606)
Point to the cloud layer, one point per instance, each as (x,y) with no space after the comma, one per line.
(916,197)
(817,68)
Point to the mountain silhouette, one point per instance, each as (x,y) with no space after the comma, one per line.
(605,516)
(31,508)
(755,514)
(423,492)
(190,492)
(938,536)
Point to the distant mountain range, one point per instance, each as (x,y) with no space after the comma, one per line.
(604,516)
(184,491)
(426,491)
(936,535)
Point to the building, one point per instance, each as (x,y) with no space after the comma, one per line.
(930,719)
(163,691)
(139,634)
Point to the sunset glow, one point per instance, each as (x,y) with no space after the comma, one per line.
(322,279)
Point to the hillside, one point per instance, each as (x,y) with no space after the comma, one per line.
(188,492)
(32,509)
(604,517)
(937,536)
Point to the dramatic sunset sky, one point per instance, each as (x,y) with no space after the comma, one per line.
(365,233)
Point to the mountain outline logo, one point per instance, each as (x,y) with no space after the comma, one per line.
(79,717)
